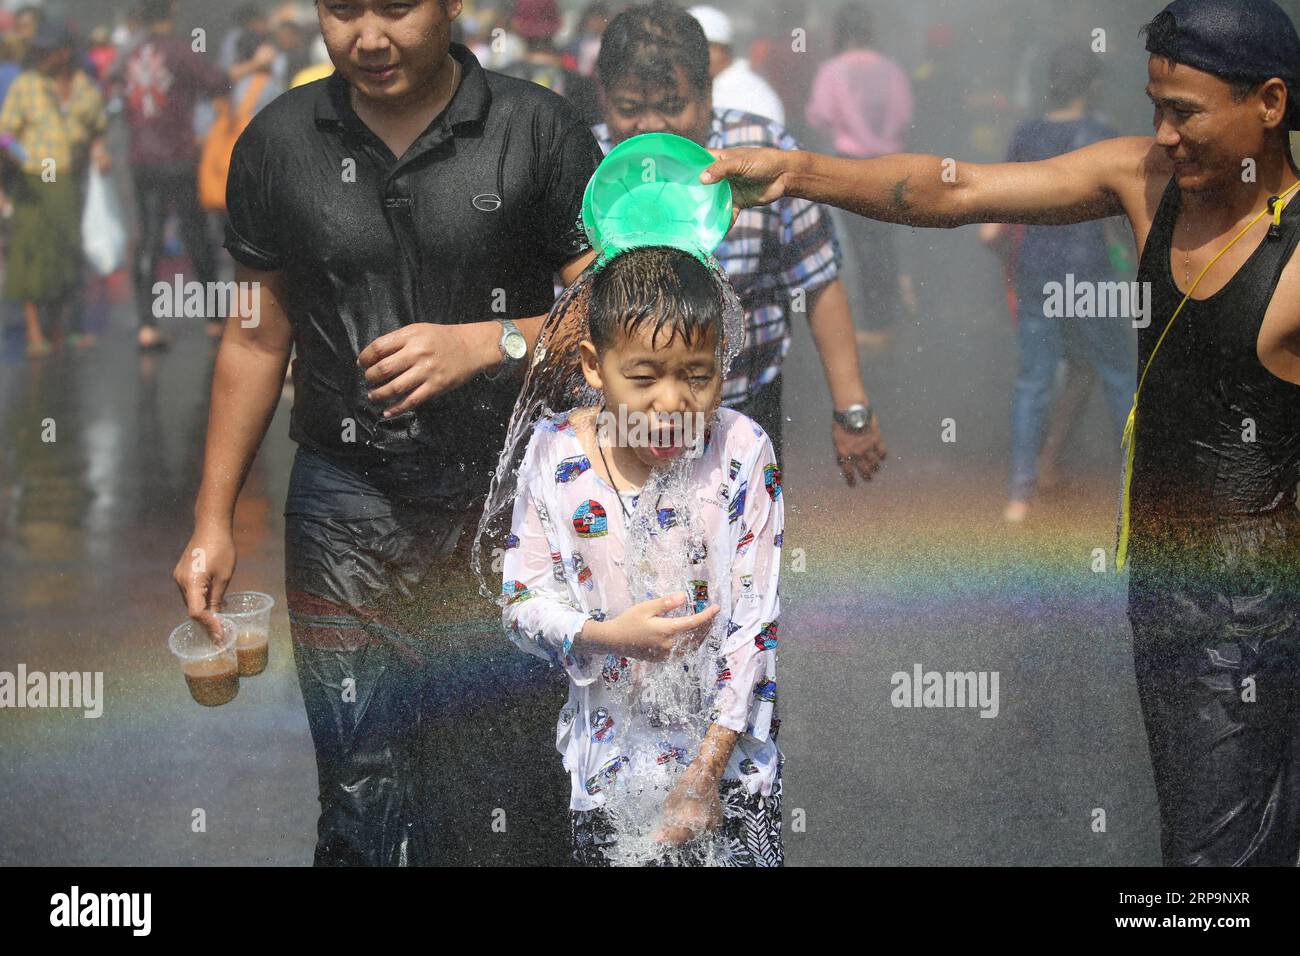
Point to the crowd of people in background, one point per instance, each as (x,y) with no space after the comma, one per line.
(178,109)
(131,111)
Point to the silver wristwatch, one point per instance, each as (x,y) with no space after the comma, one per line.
(855,418)
(513,347)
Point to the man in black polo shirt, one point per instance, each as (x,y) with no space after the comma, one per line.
(392,220)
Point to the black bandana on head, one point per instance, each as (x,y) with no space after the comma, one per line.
(1232,39)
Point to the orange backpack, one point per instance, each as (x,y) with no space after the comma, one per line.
(214,163)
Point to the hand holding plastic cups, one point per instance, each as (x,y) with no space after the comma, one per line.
(210,666)
(647,192)
(250,613)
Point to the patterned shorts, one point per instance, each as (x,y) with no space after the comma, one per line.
(750,832)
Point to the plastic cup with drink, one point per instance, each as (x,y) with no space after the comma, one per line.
(209,663)
(250,613)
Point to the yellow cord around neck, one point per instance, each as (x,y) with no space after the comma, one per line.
(1127,442)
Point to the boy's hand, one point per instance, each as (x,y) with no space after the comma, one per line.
(693,807)
(643,633)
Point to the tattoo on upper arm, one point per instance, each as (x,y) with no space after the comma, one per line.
(900,194)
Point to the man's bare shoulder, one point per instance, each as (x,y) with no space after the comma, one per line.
(1128,162)
(1137,171)
(1141,169)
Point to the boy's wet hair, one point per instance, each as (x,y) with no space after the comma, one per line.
(672,290)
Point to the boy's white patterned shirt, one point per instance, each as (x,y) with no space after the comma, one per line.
(563,566)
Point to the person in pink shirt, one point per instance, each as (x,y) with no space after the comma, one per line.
(862,104)
(861,100)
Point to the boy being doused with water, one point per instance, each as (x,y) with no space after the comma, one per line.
(644,558)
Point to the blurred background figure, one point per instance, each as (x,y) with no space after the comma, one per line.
(861,103)
(787,51)
(319,67)
(537,22)
(292,39)
(474,29)
(164,81)
(938,91)
(1096,347)
(19,33)
(584,48)
(735,84)
(265,74)
(103,53)
(53,121)
(27,20)
(12,53)
(250,20)
(499,44)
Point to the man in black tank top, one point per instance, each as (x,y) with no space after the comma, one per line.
(1214,534)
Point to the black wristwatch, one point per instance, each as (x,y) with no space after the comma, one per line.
(855,418)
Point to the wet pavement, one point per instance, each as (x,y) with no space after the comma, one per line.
(914,569)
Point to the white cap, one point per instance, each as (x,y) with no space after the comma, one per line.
(717,25)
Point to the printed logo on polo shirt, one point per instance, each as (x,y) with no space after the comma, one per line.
(772,481)
(513,591)
(583,573)
(700,595)
(738,503)
(614,668)
(670,753)
(602,726)
(487,202)
(571,468)
(590,521)
(605,775)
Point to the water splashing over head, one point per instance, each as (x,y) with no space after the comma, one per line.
(652,285)
(656,295)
